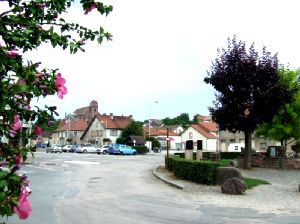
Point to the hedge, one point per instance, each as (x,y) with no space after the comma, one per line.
(203,172)
(141,149)
(212,155)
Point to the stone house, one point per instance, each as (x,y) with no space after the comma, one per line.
(87,113)
(105,129)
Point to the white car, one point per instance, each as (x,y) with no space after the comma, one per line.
(66,148)
(103,150)
(88,148)
(54,148)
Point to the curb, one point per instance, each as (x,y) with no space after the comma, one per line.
(173,184)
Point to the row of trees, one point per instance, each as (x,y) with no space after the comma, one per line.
(254,93)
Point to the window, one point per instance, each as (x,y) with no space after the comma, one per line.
(232,140)
(75,133)
(113,132)
(190,135)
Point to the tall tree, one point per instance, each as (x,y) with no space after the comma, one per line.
(183,119)
(285,125)
(134,128)
(249,91)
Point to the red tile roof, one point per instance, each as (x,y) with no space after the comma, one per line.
(158,132)
(210,126)
(114,122)
(74,125)
(203,131)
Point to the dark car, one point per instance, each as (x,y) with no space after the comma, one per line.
(114,149)
(73,148)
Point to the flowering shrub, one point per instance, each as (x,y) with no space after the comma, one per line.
(25,25)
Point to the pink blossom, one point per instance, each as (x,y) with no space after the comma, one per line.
(60,86)
(37,130)
(18,159)
(12,54)
(40,75)
(15,126)
(12,133)
(23,208)
(89,9)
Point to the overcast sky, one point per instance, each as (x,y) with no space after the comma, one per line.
(161,51)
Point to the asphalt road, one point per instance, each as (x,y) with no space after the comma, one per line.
(88,188)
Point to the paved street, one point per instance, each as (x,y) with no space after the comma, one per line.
(89,188)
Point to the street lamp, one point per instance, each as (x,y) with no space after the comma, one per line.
(149,121)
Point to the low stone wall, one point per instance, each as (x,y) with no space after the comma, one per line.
(274,163)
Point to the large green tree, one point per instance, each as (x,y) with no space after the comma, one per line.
(285,125)
(183,119)
(248,90)
(133,128)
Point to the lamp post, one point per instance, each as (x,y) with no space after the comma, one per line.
(149,121)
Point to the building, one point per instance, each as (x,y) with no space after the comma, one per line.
(202,133)
(69,132)
(105,129)
(87,113)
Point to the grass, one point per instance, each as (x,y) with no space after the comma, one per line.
(225,162)
(251,182)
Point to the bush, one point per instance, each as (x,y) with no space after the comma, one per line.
(203,172)
(141,149)
(212,155)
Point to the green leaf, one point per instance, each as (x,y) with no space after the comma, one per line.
(3,174)
(2,196)
(3,184)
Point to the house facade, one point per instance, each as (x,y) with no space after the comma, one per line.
(105,129)
(162,135)
(69,132)
(198,133)
(224,138)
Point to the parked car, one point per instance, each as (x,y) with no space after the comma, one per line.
(66,148)
(73,148)
(126,149)
(103,150)
(114,149)
(54,148)
(88,148)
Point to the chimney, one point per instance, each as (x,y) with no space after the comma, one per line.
(111,116)
(130,116)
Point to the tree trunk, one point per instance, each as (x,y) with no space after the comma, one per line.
(247,152)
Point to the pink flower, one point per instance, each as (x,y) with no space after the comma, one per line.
(12,133)
(37,130)
(60,86)
(89,9)
(12,54)
(14,127)
(23,208)
(18,159)
(40,75)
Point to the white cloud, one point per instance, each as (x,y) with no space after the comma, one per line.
(161,50)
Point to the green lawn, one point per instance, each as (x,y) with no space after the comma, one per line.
(251,182)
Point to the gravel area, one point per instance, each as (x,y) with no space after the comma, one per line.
(282,196)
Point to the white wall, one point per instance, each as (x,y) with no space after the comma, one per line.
(208,144)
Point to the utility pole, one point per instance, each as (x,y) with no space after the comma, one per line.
(168,142)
